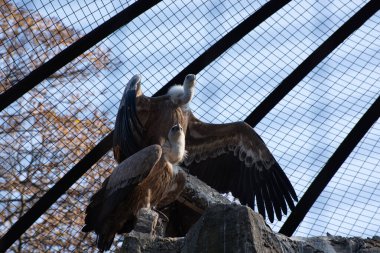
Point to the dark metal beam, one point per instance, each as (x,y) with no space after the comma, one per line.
(226,42)
(312,61)
(74,50)
(54,193)
(105,145)
(331,167)
(91,158)
(344,150)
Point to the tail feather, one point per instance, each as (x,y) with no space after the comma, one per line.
(104,242)
(128,226)
(87,228)
(94,208)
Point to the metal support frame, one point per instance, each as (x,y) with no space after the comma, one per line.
(74,50)
(195,67)
(352,139)
(50,197)
(331,167)
(226,42)
(312,61)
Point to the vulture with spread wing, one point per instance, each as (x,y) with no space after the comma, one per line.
(142,180)
(229,157)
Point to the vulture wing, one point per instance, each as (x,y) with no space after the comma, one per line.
(128,128)
(118,185)
(233,158)
(142,121)
(134,169)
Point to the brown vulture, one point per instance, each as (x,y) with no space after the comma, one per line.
(141,180)
(229,157)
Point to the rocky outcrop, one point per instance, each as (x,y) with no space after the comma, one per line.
(236,228)
(228,227)
(331,244)
(231,228)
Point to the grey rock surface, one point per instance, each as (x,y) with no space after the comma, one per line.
(231,228)
(227,227)
(200,196)
(136,242)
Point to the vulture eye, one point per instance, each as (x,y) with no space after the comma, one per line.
(176,128)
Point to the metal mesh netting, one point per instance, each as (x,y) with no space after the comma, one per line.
(310,123)
(47,131)
(33,32)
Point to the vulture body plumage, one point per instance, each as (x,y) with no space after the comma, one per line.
(142,180)
(229,157)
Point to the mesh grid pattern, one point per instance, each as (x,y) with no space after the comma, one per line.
(34,32)
(46,132)
(310,123)
(263,58)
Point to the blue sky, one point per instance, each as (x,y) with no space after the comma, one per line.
(304,129)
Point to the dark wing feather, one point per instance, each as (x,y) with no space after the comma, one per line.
(133,170)
(119,184)
(128,128)
(142,121)
(95,205)
(233,158)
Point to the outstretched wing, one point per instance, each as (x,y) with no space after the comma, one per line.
(128,128)
(119,184)
(233,158)
(142,121)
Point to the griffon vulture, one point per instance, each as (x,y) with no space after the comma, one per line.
(229,157)
(142,180)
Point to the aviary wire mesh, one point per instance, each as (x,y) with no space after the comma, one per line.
(47,131)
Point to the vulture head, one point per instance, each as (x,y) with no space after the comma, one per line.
(174,147)
(182,94)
